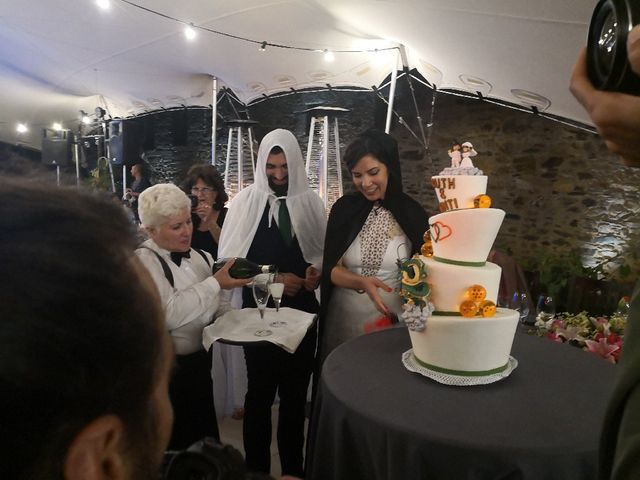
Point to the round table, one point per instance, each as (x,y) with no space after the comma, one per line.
(373,419)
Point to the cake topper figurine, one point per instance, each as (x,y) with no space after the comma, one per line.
(455,154)
(461,163)
(467,153)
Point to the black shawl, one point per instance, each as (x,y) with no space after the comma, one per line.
(349,213)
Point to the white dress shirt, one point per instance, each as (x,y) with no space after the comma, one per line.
(189,305)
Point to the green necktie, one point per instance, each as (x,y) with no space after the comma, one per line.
(284,222)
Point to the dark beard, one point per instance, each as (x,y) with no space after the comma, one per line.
(279,190)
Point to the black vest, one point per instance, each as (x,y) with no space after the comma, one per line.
(268,248)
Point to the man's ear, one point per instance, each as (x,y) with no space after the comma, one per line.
(96,452)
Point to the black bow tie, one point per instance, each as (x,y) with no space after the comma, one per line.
(177,257)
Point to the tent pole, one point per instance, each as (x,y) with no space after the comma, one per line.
(76,154)
(124,179)
(107,144)
(214,119)
(392,92)
(405,68)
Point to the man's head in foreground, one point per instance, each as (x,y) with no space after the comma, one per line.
(85,358)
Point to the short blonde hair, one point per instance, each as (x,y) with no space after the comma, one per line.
(160,202)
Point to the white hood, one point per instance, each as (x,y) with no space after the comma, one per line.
(306,209)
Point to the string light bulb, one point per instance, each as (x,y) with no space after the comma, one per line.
(22,128)
(103,4)
(262,47)
(84,117)
(189,32)
(329,56)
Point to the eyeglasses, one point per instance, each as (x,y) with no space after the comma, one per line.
(205,190)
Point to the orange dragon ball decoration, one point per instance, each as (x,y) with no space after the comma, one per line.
(468,308)
(482,201)
(476,293)
(476,303)
(488,308)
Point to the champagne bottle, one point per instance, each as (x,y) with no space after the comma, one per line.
(243,268)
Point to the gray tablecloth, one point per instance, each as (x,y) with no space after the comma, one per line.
(373,419)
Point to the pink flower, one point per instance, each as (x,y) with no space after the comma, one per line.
(569,333)
(603,349)
(602,335)
(555,337)
(601,324)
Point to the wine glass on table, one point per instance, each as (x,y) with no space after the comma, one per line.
(520,302)
(261,296)
(545,310)
(524,308)
(277,290)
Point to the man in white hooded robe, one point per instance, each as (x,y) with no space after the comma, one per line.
(279,221)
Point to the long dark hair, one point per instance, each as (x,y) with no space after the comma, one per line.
(80,334)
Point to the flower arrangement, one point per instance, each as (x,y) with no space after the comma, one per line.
(603,335)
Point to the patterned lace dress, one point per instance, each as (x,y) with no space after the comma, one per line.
(374,252)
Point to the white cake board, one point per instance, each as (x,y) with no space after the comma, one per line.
(411,364)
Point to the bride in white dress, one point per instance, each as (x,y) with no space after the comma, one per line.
(367,232)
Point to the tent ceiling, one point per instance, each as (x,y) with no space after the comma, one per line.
(60,56)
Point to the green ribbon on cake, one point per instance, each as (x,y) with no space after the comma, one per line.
(462,373)
(458,262)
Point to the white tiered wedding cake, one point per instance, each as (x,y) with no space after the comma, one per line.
(459,337)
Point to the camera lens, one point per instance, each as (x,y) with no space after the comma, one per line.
(607,42)
(607,62)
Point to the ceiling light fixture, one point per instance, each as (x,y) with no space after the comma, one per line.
(476,85)
(189,32)
(103,4)
(329,56)
(22,128)
(57,126)
(531,99)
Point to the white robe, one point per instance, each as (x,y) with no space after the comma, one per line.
(308,218)
(308,223)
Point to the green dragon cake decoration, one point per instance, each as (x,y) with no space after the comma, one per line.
(415,290)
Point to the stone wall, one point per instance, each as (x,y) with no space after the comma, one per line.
(563,192)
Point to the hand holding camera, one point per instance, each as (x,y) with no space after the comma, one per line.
(611,62)
(612,46)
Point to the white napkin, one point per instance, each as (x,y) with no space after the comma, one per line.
(240,326)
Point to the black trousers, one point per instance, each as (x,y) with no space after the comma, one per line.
(191,393)
(271,369)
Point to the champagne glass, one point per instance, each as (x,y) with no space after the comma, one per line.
(520,303)
(524,307)
(277,289)
(261,296)
(545,310)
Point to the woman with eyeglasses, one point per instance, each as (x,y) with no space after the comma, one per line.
(205,183)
